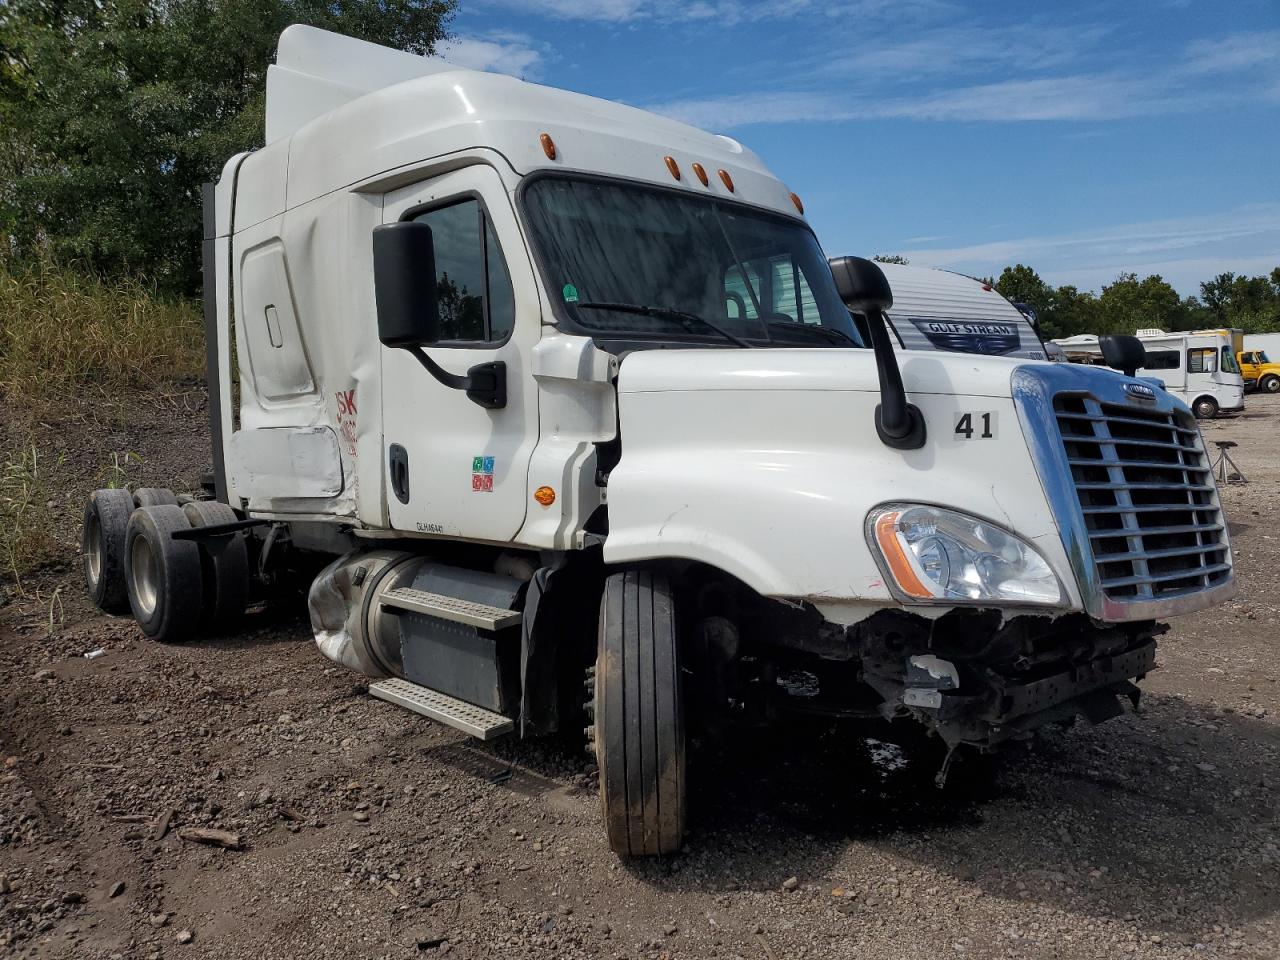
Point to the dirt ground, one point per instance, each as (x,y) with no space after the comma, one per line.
(368,831)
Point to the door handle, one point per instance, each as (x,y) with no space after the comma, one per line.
(399,467)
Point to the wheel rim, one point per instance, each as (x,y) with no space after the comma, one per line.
(93,551)
(1273,386)
(142,562)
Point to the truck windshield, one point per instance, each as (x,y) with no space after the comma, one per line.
(1229,364)
(754,275)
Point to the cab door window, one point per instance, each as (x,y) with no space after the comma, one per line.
(472,283)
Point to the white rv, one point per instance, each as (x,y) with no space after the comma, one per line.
(1199,368)
(561,412)
(942,310)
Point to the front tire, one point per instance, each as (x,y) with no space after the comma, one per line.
(1269,384)
(102,549)
(639,716)
(1205,408)
(165,582)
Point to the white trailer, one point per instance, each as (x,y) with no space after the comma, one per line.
(942,310)
(1269,343)
(560,411)
(1199,367)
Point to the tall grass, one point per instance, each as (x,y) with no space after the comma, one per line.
(26,515)
(64,333)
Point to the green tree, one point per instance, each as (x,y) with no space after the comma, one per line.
(890,258)
(1021,284)
(114,112)
(1130,304)
(1074,312)
(1252,303)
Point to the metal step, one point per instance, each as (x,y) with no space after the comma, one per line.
(451,608)
(467,717)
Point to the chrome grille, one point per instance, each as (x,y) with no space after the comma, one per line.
(1142,477)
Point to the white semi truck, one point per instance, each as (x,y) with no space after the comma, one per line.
(560,411)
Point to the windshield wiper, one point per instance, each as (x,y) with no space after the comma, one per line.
(680,316)
(832,334)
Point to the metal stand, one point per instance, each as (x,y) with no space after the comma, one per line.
(1224,460)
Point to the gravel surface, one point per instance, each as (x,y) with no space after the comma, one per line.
(342,826)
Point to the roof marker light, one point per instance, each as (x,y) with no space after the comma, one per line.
(700,172)
(726,180)
(672,166)
(548,145)
(799,206)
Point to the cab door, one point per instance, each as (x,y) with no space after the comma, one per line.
(451,467)
(1249,369)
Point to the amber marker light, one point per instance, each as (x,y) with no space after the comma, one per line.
(548,145)
(799,205)
(726,180)
(672,166)
(545,496)
(700,172)
(895,556)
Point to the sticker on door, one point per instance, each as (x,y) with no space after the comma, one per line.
(482,475)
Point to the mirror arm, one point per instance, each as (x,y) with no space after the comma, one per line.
(899,424)
(485,383)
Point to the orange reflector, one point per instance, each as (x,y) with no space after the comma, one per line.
(700,173)
(548,145)
(896,557)
(672,166)
(799,205)
(726,180)
(545,496)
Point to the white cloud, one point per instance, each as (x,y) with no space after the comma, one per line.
(1105,96)
(513,54)
(1184,250)
(1239,51)
(720,12)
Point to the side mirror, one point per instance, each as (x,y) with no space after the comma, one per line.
(1123,353)
(864,289)
(404,287)
(862,284)
(404,284)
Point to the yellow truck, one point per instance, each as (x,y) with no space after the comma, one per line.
(1257,369)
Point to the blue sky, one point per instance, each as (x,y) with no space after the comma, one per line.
(1084,139)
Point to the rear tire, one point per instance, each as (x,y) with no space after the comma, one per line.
(165,582)
(1205,408)
(154,497)
(224,564)
(639,716)
(102,548)
(1269,384)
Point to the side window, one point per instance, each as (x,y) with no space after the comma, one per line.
(1163,360)
(1202,361)
(738,299)
(778,283)
(472,282)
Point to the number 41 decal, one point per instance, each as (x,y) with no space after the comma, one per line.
(980,424)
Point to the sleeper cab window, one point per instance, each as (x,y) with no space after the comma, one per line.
(472,282)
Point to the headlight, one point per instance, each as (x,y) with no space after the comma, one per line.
(932,555)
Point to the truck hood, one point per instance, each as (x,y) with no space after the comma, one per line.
(923,371)
(765,464)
